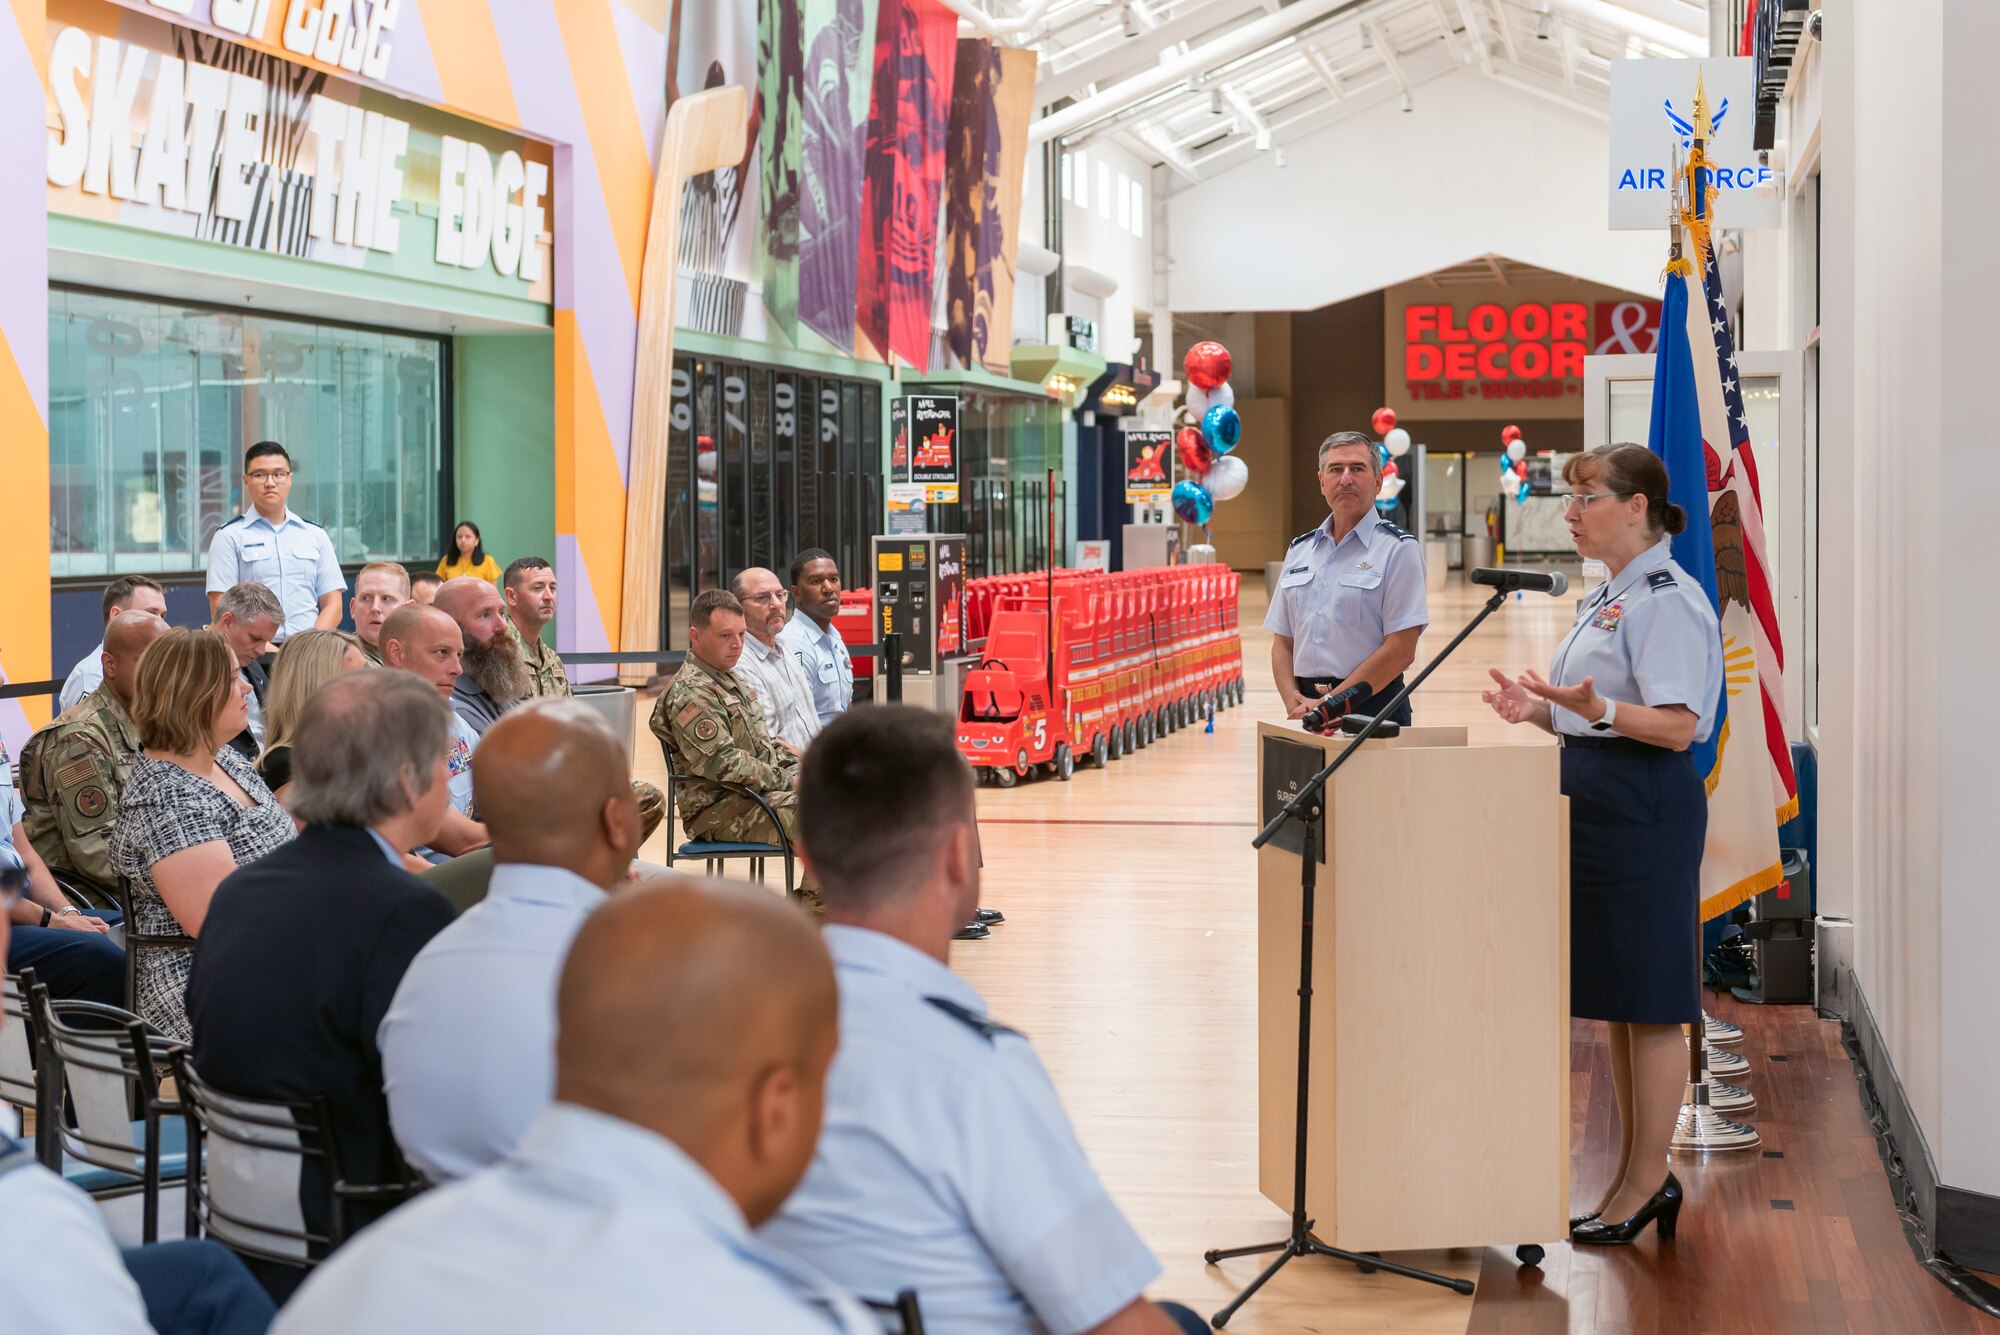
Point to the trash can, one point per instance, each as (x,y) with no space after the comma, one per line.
(618,704)
(1437,565)
(1478,551)
(1271,569)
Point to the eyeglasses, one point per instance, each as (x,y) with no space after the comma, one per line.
(13,883)
(775,596)
(1580,500)
(262,476)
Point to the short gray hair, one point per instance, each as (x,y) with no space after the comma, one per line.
(251,602)
(1342,440)
(366,746)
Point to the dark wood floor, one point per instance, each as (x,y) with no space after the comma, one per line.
(1800,1235)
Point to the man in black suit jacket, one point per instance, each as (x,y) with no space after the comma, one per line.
(302,950)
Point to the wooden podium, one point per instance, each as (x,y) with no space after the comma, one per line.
(1440,1023)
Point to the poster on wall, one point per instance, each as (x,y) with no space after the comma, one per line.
(1652,120)
(993,95)
(1148,457)
(926,433)
(903,176)
(781,59)
(715,44)
(175,131)
(839,37)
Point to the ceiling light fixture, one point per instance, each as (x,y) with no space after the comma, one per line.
(1277,157)
(1215,101)
(1545,22)
(1407,105)
(1131,23)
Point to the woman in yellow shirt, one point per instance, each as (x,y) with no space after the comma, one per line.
(467,556)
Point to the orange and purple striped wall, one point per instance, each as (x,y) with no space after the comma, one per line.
(588,76)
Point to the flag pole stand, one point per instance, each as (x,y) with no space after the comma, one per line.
(1701,1128)
(1720,1033)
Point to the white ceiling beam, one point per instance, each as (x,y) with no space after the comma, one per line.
(1327,75)
(1387,51)
(1475,36)
(1238,43)
(1444,26)
(1505,28)
(1559,38)
(1145,141)
(1622,20)
(1055,84)
(1691,19)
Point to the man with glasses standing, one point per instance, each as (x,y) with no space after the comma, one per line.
(267,544)
(1350,605)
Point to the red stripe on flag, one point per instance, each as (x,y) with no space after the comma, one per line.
(1774,741)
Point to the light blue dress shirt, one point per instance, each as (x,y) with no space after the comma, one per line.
(85,677)
(1649,637)
(823,655)
(468,1045)
(293,559)
(11,810)
(1337,602)
(946,1163)
(592,1224)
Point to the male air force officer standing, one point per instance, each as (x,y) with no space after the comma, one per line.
(1350,604)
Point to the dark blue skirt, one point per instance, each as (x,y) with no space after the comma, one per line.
(1637,821)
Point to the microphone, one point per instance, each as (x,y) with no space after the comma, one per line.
(1332,708)
(1553,582)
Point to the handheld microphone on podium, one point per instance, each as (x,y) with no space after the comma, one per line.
(1332,708)
(1552,582)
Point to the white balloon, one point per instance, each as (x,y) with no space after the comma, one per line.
(1397,441)
(1223,394)
(1517,449)
(1396,485)
(1386,492)
(1226,477)
(1198,401)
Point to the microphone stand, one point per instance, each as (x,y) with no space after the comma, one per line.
(1308,810)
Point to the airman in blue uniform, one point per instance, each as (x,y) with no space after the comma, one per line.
(1350,605)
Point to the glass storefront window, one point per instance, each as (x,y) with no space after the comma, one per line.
(152,403)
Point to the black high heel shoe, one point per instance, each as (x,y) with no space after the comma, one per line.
(1578,1219)
(1665,1207)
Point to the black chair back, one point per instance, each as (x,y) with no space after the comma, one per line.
(138,943)
(110,1073)
(245,1157)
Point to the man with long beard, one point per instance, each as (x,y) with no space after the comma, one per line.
(496,676)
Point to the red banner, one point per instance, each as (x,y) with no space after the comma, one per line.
(903,184)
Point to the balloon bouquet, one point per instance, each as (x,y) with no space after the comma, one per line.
(1514,464)
(1395,444)
(1214,474)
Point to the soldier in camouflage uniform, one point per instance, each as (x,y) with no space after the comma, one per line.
(73,770)
(529,587)
(714,729)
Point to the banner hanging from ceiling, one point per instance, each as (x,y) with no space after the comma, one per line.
(839,38)
(993,98)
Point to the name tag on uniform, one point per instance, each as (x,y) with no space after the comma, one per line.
(257,549)
(1608,617)
(1295,576)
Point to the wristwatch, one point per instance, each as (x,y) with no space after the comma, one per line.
(1610,714)
(45,915)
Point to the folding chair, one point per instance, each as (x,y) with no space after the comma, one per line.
(248,1156)
(107,1073)
(138,943)
(714,852)
(20,1084)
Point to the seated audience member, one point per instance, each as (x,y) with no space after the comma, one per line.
(425,641)
(64,1273)
(73,769)
(127,593)
(498,676)
(530,589)
(71,951)
(193,809)
(305,947)
(946,1164)
(424,586)
(468,1046)
(309,660)
(246,617)
(495,676)
(380,587)
(812,637)
(715,730)
(770,670)
(694,1027)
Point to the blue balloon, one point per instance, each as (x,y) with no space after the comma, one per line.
(1222,427)
(1385,506)
(1192,502)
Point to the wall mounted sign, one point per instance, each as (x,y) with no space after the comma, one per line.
(923,431)
(1652,119)
(1149,461)
(177,131)
(352,34)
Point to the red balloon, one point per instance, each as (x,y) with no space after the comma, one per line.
(1521,468)
(1207,364)
(1509,434)
(1196,455)
(1390,470)
(1384,421)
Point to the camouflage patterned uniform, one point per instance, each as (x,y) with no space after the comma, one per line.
(72,773)
(714,729)
(372,652)
(551,680)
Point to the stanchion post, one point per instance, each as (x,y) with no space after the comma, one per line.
(892,667)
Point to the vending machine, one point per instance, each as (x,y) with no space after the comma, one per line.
(919,587)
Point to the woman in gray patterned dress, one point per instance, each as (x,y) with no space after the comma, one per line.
(192,811)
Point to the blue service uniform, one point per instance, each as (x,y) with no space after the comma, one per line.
(293,559)
(1638,813)
(828,667)
(946,1164)
(1338,602)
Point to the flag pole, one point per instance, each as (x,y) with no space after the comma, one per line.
(1701,1127)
